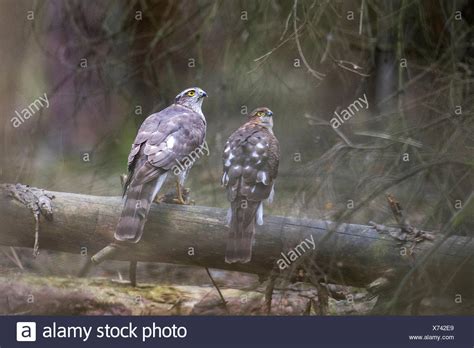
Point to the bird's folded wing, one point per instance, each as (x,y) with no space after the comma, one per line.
(175,135)
(250,164)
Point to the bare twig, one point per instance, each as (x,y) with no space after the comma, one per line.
(224,302)
(313,72)
(13,257)
(347,65)
(361,18)
(132,273)
(269,291)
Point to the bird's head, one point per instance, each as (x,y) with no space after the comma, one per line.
(191,98)
(262,116)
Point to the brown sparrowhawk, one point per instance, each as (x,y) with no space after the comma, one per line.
(251,158)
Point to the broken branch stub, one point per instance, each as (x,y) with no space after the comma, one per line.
(38,202)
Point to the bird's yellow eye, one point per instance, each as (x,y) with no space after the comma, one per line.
(191,93)
(260,114)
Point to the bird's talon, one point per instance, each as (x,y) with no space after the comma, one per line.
(182,195)
(160,199)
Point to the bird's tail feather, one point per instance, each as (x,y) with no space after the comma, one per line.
(242,229)
(138,200)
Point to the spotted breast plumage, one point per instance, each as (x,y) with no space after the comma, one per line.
(251,158)
(164,139)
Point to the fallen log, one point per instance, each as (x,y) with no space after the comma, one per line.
(348,254)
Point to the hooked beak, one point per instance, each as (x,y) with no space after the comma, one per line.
(202,94)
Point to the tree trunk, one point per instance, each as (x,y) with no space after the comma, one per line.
(348,254)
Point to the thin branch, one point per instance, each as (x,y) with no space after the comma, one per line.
(361,18)
(224,302)
(313,72)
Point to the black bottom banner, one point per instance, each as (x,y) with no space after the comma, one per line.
(432,332)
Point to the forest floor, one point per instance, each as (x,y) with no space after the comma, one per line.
(29,294)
